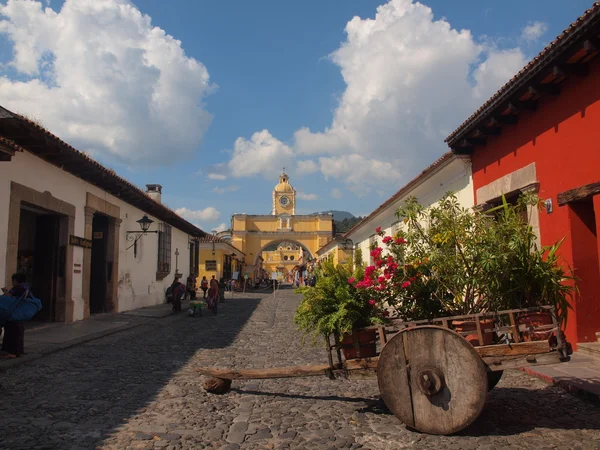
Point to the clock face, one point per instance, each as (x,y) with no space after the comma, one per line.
(284,201)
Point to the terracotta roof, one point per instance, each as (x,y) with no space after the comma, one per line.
(28,135)
(10,144)
(208,239)
(573,35)
(404,190)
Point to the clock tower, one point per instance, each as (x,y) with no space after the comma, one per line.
(284,197)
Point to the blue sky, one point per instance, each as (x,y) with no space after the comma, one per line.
(353,108)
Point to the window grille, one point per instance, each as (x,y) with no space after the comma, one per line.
(164,249)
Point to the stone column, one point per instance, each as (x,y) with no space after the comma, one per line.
(87,261)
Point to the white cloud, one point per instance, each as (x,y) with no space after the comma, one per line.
(221,227)
(103,78)
(358,171)
(410,80)
(262,154)
(304,196)
(216,176)
(208,214)
(533,31)
(306,167)
(336,193)
(223,190)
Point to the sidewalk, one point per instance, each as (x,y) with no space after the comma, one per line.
(579,376)
(52,337)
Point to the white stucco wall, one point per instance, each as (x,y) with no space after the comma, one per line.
(137,284)
(454,175)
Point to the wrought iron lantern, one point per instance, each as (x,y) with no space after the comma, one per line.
(135,236)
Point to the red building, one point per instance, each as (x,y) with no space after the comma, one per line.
(541,131)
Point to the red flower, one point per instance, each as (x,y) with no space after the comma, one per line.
(387,239)
(413,279)
(386,313)
(376,252)
(365,283)
(372,302)
(369,271)
(406,284)
(381,279)
(378,230)
(351,280)
(400,241)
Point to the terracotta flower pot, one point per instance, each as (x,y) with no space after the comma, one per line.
(367,340)
(470,326)
(535,319)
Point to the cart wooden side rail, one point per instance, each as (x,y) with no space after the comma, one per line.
(429,375)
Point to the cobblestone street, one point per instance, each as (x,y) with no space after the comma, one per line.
(138,389)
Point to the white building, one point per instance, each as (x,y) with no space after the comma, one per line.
(449,173)
(72,226)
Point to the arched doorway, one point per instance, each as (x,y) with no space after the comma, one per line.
(281,258)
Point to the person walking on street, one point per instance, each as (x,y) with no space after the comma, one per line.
(204,286)
(178,290)
(213,295)
(191,287)
(222,289)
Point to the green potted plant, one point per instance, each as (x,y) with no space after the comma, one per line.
(335,306)
(524,274)
(452,240)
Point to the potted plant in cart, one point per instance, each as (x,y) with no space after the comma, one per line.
(525,274)
(453,241)
(335,306)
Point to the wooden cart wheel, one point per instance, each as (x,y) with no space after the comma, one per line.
(494,378)
(432,379)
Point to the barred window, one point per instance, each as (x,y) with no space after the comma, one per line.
(164,249)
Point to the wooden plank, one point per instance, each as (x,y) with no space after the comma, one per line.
(479,333)
(524,348)
(393,379)
(263,374)
(288,372)
(516,362)
(579,193)
(513,324)
(361,363)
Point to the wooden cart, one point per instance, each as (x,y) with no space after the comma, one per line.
(429,375)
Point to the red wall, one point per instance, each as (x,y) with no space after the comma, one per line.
(563,139)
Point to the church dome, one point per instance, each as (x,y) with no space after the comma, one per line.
(284,185)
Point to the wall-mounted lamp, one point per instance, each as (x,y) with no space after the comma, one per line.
(135,236)
(347,244)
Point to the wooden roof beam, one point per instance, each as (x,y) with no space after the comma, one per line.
(591,45)
(504,120)
(578,194)
(516,106)
(564,70)
(490,131)
(539,89)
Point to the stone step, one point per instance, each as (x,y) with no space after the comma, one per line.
(589,349)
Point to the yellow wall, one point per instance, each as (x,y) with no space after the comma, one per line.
(250,234)
(206,255)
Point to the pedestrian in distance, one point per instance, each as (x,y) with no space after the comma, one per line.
(204,286)
(191,287)
(213,295)
(20,305)
(178,290)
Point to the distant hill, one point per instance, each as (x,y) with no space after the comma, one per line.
(339,215)
(342,220)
